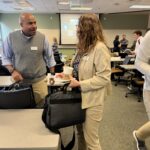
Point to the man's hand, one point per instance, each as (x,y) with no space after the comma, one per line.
(17,76)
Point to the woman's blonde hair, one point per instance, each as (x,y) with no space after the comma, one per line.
(89,32)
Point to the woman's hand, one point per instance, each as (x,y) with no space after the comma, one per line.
(74,83)
(59,75)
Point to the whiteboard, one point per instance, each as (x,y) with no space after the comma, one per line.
(68,28)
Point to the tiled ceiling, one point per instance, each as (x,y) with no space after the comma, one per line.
(53,6)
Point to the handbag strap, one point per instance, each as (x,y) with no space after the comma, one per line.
(70,145)
(65,87)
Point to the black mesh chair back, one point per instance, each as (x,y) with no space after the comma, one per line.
(59,64)
(126,60)
(123,55)
(4,71)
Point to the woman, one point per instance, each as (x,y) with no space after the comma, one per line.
(92,75)
(116,44)
(55,45)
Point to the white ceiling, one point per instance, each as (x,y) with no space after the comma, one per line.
(52,6)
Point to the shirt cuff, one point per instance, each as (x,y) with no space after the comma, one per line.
(51,64)
(6,62)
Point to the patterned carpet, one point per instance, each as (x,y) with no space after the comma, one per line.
(121,116)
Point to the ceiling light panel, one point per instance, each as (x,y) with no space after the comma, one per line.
(63,2)
(23,3)
(140,6)
(83,5)
(81,8)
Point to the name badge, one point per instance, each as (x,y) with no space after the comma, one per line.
(34,48)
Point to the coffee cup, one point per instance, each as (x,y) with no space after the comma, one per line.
(67,70)
(50,79)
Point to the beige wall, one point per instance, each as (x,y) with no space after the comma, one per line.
(112,23)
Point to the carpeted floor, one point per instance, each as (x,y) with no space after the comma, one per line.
(121,116)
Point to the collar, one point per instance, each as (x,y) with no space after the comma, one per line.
(27,37)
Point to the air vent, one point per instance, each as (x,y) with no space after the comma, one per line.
(7,1)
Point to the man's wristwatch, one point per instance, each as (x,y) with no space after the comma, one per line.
(11,70)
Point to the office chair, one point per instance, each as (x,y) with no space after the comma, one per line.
(119,72)
(123,55)
(59,64)
(4,71)
(136,85)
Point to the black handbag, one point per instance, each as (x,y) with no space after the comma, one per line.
(17,96)
(63,109)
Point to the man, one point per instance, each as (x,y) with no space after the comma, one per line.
(143,65)
(26,54)
(123,42)
(138,38)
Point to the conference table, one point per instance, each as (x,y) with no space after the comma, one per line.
(19,128)
(117,59)
(56,84)
(128,67)
(6,81)
(23,129)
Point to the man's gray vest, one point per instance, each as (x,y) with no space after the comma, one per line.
(28,56)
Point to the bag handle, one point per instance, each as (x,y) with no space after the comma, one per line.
(65,86)
(15,84)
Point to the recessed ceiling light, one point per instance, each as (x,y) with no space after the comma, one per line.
(63,2)
(140,6)
(24,8)
(80,8)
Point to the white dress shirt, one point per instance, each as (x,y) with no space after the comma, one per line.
(142,61)
(138,42)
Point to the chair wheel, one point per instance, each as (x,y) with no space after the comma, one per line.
(115,84)
(126,95)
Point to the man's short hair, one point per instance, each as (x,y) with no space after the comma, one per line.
(138,32)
